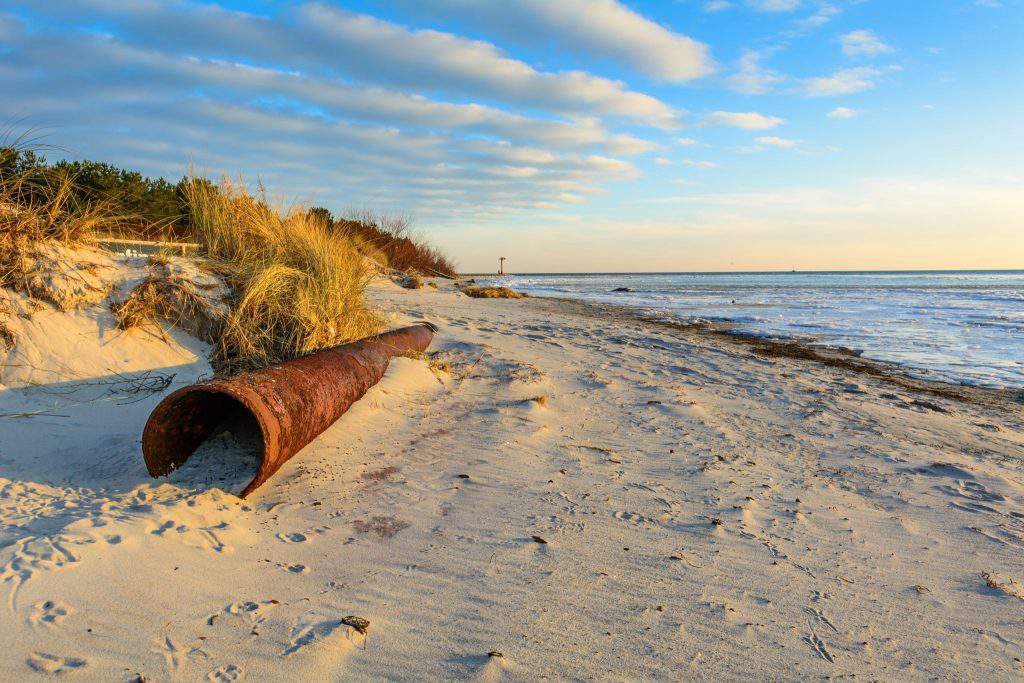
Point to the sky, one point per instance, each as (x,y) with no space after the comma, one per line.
(565,135)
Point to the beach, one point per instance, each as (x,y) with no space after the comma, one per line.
(556,490)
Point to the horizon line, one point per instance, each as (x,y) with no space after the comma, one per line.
(750,272)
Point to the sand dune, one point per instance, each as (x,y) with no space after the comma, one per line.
(546,495)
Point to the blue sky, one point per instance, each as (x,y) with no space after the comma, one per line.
(568,136)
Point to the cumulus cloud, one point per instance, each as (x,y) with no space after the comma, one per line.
(752,77)
(775,5)
(825,13)
(692,163)
(773,141)
(845,81)
(842,113)
(863,43)
(605,29)
(746,120)
(686,142)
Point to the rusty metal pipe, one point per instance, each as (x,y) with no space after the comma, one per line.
(293,402)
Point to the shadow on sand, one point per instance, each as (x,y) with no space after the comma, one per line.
(86,434)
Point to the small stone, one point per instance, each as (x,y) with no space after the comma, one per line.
(538,539)
(358,623)
(494,654)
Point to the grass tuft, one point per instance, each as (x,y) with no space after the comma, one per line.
(297,285)
(36,209)
(175,300)
(391,241)
(8,340)
(492,293)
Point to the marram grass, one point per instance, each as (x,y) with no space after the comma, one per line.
(298,287)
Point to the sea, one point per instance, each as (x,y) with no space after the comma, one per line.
(956,326)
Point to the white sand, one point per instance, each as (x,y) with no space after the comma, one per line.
(708,514)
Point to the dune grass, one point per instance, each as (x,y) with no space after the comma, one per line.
(390,240)
(297,281)
(492,293)
(35,209)
(298,286)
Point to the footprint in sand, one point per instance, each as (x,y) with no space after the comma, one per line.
(292,537)
(255,610)
(976,495)
(228,672)
(295,568)
(308,633)
(634,518)
(52,664)
(48,613)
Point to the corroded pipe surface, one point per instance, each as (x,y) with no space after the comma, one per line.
(293,402)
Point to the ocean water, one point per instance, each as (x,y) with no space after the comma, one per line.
(956,326)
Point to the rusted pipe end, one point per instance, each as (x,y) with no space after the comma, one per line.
(292,402)
(189,416)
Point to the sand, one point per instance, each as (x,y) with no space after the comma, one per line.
(553,493)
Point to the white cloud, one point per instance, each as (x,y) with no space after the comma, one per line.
(700,164)
(716,5)
(863,43)
(628,144)
(662,161)
(746,120)
(752,78)
(304,135)
(845,81)
(825,13)
(686,142)
(772,141)
(334,96)
(842,113)
(774,5)
(606,29)
(327,39)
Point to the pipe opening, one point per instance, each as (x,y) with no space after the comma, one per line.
(225,450)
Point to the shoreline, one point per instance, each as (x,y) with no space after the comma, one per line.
(898,375)
(941,327)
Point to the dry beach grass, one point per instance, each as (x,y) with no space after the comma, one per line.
(297,286)
(487,292)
